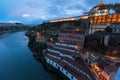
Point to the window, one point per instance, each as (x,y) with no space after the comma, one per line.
(58,67)
(104,17)
(66,73)
(109,20)
(94,21)
(109,16)
(113,20)
(71,77)
(118,19)
(99,21)
(95,17)
(100,17)
(103,21)
(119,15)
(52,62)
(115,16)
(62,69)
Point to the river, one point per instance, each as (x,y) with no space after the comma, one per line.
(17,61)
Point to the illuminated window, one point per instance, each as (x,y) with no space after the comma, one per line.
(113,19)
(119,20)
(108,20)
(91,22)
(99,21)
(114,16)
(109,16)
(95,18)
(104,17)
(100,17)
(61,41)
(91,18)
(103,21)
(119,15)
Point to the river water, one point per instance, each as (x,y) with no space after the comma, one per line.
(17,61)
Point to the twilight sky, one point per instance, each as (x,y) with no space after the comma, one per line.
(34,11)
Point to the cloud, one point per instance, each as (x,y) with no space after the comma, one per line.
(33,17)
(26,15)
(32,10)
(13,21)
(72,12)
(46,9)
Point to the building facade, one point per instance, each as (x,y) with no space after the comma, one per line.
(64,55)
(101,17)
(103,68)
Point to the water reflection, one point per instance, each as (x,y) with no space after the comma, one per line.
(16,60)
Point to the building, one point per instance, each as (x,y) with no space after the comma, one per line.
(101,17)
(70,19)
(39,37)
(115,28)
(64,55)
(99,10)
(104,68)
(73,37)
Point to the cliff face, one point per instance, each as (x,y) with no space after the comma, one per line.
(36,47)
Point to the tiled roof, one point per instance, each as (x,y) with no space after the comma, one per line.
(63,51)
(75,66)
(65,47)
(72,66)
(107,65)
(112,68)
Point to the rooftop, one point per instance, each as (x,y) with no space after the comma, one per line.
(101,3)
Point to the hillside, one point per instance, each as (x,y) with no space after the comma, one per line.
(12,27)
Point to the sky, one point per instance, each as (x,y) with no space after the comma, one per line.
(35,11)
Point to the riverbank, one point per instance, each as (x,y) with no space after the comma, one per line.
(12,27)
(4,35)
(53,72)
(46,35)
(39,50)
